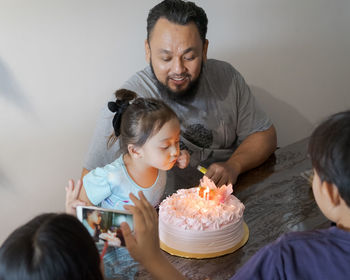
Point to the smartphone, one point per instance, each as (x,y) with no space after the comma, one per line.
(104,224)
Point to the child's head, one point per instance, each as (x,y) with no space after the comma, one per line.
(329,150)
(92,216)
(50,246)
(138,120)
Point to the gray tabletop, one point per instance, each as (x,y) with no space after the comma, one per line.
(278,199)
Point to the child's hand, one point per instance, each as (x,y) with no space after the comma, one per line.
(143,244)
(183,160)
(72,194)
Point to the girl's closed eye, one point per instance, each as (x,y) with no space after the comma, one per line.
(168,145)
(165,147)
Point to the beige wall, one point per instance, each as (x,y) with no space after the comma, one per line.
(60,59)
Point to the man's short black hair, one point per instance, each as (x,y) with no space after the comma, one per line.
(329,150)
(179,12)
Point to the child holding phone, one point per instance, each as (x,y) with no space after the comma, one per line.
(57,246)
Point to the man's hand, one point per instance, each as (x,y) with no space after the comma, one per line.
(72,193)
(222,173)
(183,160)
(252,152)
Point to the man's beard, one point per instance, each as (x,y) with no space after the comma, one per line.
(183,96)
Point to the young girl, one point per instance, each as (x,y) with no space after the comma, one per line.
(149,133)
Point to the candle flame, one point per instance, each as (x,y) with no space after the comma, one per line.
(206,193)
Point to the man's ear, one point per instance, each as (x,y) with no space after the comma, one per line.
(147,51)
(331,192)
(134,151)
(205,50)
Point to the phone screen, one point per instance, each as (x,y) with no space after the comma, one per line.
(104,224)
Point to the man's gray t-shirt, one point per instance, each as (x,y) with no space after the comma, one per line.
(213,123)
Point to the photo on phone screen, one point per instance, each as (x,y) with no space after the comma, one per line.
(104,224)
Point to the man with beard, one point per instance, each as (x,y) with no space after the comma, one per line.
(222,127)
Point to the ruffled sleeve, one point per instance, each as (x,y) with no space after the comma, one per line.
(96,184)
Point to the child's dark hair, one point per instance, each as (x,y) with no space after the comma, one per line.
(329,150)
(137,119)
(87,212)
(179,12)
(50,246)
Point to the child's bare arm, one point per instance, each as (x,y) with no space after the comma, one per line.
(84,172)
(83,196)
(143,244)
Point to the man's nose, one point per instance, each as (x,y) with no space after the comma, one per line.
(178,66)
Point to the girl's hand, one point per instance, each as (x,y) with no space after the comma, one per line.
(183,160)
(72,193)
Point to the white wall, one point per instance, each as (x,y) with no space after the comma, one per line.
(60,59)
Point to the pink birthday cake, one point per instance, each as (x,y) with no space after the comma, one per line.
(202,222)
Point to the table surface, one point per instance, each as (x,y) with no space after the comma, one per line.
(277,199)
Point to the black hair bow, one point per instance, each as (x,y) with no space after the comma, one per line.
(118,107)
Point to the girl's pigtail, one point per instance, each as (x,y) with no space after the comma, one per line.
(118,107)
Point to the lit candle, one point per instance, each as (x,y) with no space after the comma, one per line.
(206,193)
